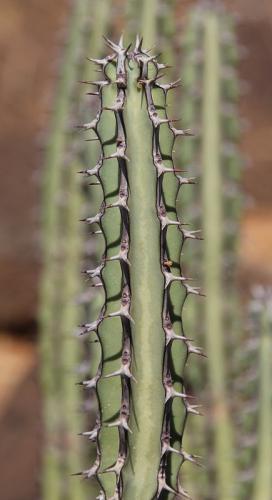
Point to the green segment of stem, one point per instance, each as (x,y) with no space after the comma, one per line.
(140,473)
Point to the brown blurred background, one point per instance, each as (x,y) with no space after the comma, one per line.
(31,41)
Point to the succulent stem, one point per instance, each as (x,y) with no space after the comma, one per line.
(139,381)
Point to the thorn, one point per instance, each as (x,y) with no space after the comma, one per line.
(150,81)
(163,66)
(102,62)
(191,458)
(92,435)
(122,199)
(93,273)
(125,366)
(93,93)
(96,218)
(167,448)
(117,154)
(161,169)
(99,231)
(186,132)
(138,43)
(169,278)
(157,121)
(171,85)
(193,409)
(170,392)
(122,421)
(91,140)
(125,306)
(117,467)
(92,327)
(191,234)
(195,350)
(95,170)
(99,83)
(92,220)
(163,486)
(87,474)
(92,382)
(169,332)
(122,256)
(186,180)
(89,126)
(95,183)
(97,285)
(164,220)
(193,290)
(118,105)
(112,45)
(120,203)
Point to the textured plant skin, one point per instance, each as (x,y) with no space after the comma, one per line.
(254,423)
(142,399)
(209,96)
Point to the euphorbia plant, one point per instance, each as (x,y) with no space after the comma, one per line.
(142,396)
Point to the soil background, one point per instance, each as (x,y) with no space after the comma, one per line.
(31,41)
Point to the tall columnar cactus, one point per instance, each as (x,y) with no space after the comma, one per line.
(253,386)
(209,95)
(139,382)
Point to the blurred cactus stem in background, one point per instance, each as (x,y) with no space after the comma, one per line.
(210,92)
(263,478)
(254,410)
(213,227)
(52,306)
(62,244)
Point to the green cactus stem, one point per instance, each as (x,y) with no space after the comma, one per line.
(139,382)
